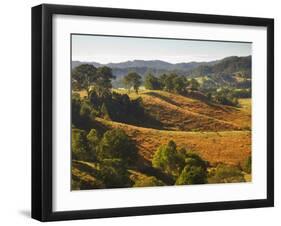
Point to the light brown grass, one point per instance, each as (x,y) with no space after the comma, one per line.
(229,147)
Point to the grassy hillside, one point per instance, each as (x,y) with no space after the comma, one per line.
(182,113)
(219,134)
(229,147)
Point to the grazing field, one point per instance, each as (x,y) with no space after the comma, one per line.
(229,147)
(218,133)
(177,112)
(146,122)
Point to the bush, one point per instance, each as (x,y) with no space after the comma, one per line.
(148,182)
(168,160)
(192,174)
(195,170)
(81,113)
(225,174)
(225,96)
(114,174)
(93,142)
(115,144)
(186,167)
(79,145)
(247,165)
(242,93)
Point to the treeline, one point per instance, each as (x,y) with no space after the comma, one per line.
(102,102)
(185,86)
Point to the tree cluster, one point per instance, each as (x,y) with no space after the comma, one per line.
(88,77)
(132,79)
(185,167)
(171,83)
(112,154)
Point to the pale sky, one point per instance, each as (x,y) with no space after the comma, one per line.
(114,49)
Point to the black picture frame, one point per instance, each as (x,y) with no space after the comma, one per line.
(42,107)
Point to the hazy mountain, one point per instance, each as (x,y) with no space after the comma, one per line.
(143,66)
(227,65)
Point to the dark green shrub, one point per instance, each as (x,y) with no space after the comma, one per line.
(115,144)
(192,174)
(114,174)
(79,145)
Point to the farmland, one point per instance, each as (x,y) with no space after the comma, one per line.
(160,130)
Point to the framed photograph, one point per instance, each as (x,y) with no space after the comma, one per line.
(146,112)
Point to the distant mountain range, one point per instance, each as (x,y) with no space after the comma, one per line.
(227,65)
(144,66)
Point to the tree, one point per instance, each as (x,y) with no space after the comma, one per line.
(81,113)
(226,96)
(168,83)
(115,144)
(114,174)
(194,84)
(102,84)
(79,145)
(93,142)
(192,174)
(104,112)
(179,84)
(167,159)
(195,170)
(83,76)
(152,82)
(132,79)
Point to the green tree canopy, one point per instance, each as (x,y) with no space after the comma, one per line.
(79,144)
(83,76)
(193,84)
(115,144)
(192,174)
(114,174)
(167,159)
(132,79)
(179,84)
(152,82)
(168,82)
(186,167)
(102,84)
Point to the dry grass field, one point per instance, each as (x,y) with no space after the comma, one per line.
(230,147)
(218,133)
(177,112)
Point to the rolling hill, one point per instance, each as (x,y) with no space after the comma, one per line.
(220,134)
(184,113)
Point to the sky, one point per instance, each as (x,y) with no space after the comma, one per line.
(115,49)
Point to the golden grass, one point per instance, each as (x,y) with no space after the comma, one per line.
(229,147)
(219,133)
(177,112)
